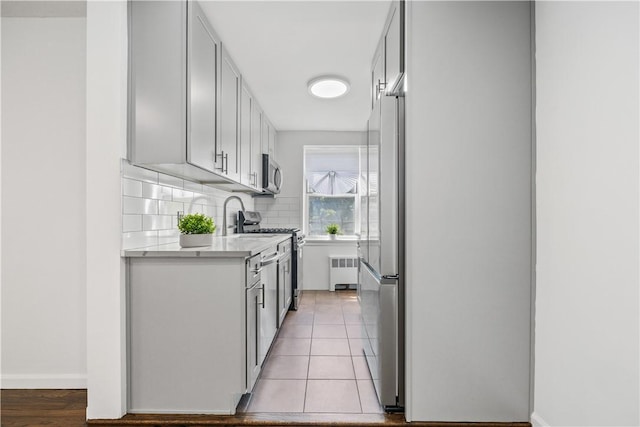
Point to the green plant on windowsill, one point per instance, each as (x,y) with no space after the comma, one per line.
(196,229)
(333,230)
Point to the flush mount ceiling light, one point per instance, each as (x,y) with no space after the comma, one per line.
(328,86)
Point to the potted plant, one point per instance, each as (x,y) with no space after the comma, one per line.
(196,229)
(333,230)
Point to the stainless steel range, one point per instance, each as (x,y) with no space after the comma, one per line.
(249,222)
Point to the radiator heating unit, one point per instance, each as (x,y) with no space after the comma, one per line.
(343,272)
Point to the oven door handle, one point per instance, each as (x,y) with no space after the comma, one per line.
(270,260)
(301,244)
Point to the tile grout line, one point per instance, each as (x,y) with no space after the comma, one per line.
(306,383)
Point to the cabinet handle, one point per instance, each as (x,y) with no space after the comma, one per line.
(380,87)
(263,295)
(221,155)
(226,161)
(257,270)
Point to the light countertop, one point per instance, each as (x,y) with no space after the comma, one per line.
(234,246)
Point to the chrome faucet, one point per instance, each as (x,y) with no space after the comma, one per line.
(224,210)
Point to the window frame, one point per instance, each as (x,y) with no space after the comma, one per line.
(357,149)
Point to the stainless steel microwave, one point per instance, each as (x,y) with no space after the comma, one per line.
(271,175)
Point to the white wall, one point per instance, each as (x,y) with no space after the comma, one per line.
(106,145)
(43,202)
(586,355)
(316,262)
(468,197)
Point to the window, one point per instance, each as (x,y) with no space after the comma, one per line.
(331,188)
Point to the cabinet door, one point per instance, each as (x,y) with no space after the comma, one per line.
(272,141)
(394,48)
(265,131)
(377,73)
(246,135)
(256,145)
(269,309)
(284,287)
(281,291)
(229,117)
(254,305)
(203,54)
(288,295)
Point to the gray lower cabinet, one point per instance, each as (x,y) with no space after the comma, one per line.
(186,334)
(284,280)
(269,310)
(254,305)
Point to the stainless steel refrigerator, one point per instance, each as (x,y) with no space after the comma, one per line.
(381,250)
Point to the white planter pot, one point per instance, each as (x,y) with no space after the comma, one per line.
(195,240)
(332,236)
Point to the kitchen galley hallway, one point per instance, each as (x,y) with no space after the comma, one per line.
(316,364)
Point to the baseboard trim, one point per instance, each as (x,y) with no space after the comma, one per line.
(46,381)
(538,421)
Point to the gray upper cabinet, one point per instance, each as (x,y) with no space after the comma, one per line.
(256,144)
(268,136)
(272,140)
(229,117)
(394,48)
(377,73)
(246,106)
(185,100)
(387,67)
(157,82)
(203,55)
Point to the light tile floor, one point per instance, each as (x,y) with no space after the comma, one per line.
(316,364)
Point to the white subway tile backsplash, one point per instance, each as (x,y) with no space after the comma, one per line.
(156,222)
(170,181)
(139,239)
(204,199)
(170,208)
(210,211)
(154,191)
(151,200)
(135,205)
(193,186)
(131,187)
(193,208)
(140,174)
(131,223)
(168,236)
(182,196)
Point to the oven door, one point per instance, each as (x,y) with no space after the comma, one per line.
(271,175)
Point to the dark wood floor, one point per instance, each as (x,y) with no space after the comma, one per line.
(43,408)
(66,408)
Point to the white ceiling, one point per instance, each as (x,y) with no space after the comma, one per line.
(280,45)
